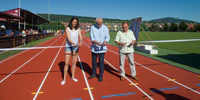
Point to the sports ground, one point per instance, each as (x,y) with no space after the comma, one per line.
(36,74)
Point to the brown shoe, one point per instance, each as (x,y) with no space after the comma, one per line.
(121,78)
(135,78)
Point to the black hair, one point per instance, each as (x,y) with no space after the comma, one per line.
(70,23)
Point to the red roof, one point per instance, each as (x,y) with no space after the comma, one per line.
(4,16)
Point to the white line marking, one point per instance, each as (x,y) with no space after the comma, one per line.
(47,73)
(163,41)
(168,78)
(25,63)
(22,52)
(127,79)
(88,86)
(132,82)
(161,75)
(31,48)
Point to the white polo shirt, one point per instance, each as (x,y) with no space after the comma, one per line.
(127,38)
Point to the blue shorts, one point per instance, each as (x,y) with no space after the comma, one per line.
(72,49)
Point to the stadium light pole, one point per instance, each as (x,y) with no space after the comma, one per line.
(178,24)
(48,10)
(19,14)
(49,13)
(59,20)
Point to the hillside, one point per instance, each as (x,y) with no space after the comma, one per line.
(66,18)
(170,20)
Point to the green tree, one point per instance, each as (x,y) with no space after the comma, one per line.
(191,30)
(53,25)
(183,26)
(155,27)
(144,27)
(166,27)
(173,27)
(197,27)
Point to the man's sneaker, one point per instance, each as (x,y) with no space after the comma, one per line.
(100,79)
(63,82)
(121,78)
(135,78)
(74,79)
(92,76)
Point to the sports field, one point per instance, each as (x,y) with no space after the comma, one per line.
(185,55)
(36,74)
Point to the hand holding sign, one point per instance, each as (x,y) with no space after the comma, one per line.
(99,43)
(105,43)
(123,44)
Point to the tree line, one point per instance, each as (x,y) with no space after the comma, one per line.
(53,25)
(172,27)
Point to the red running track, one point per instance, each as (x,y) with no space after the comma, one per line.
(41,70)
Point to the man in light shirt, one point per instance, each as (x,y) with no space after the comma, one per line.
(99,36)
(126,39)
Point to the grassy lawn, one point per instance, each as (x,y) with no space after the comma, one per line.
(185,55)
(186,47)
(30,44)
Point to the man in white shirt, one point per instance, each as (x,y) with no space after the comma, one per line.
(99,36)
(126,39)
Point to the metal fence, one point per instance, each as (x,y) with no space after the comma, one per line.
(14,41)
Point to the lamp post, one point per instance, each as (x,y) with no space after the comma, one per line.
(48,10)
(178,24)
(19,14)
(49,14)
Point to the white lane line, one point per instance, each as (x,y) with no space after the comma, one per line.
(131,82)
(127,78)
(88,86)
(161,75)
(26,62)
(20,53)
(165,41)
(32,48)
(40,87)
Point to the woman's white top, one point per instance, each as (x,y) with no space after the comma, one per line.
(73,35)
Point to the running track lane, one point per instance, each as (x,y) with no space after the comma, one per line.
(44,44)
(185,77)
(111,83)
(156,81)
(19,62)
(21,84)
(127,69)
(71,90)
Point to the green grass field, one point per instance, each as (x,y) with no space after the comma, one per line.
(186,47)
(185,55)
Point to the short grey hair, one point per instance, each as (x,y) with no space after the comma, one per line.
(99,18)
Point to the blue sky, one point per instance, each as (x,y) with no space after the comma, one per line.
(120,9)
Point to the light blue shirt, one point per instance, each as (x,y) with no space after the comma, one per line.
(99,34)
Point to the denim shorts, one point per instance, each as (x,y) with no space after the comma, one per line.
(72,49)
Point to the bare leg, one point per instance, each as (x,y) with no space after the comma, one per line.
(23,41)
(67,59)
(74,61)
